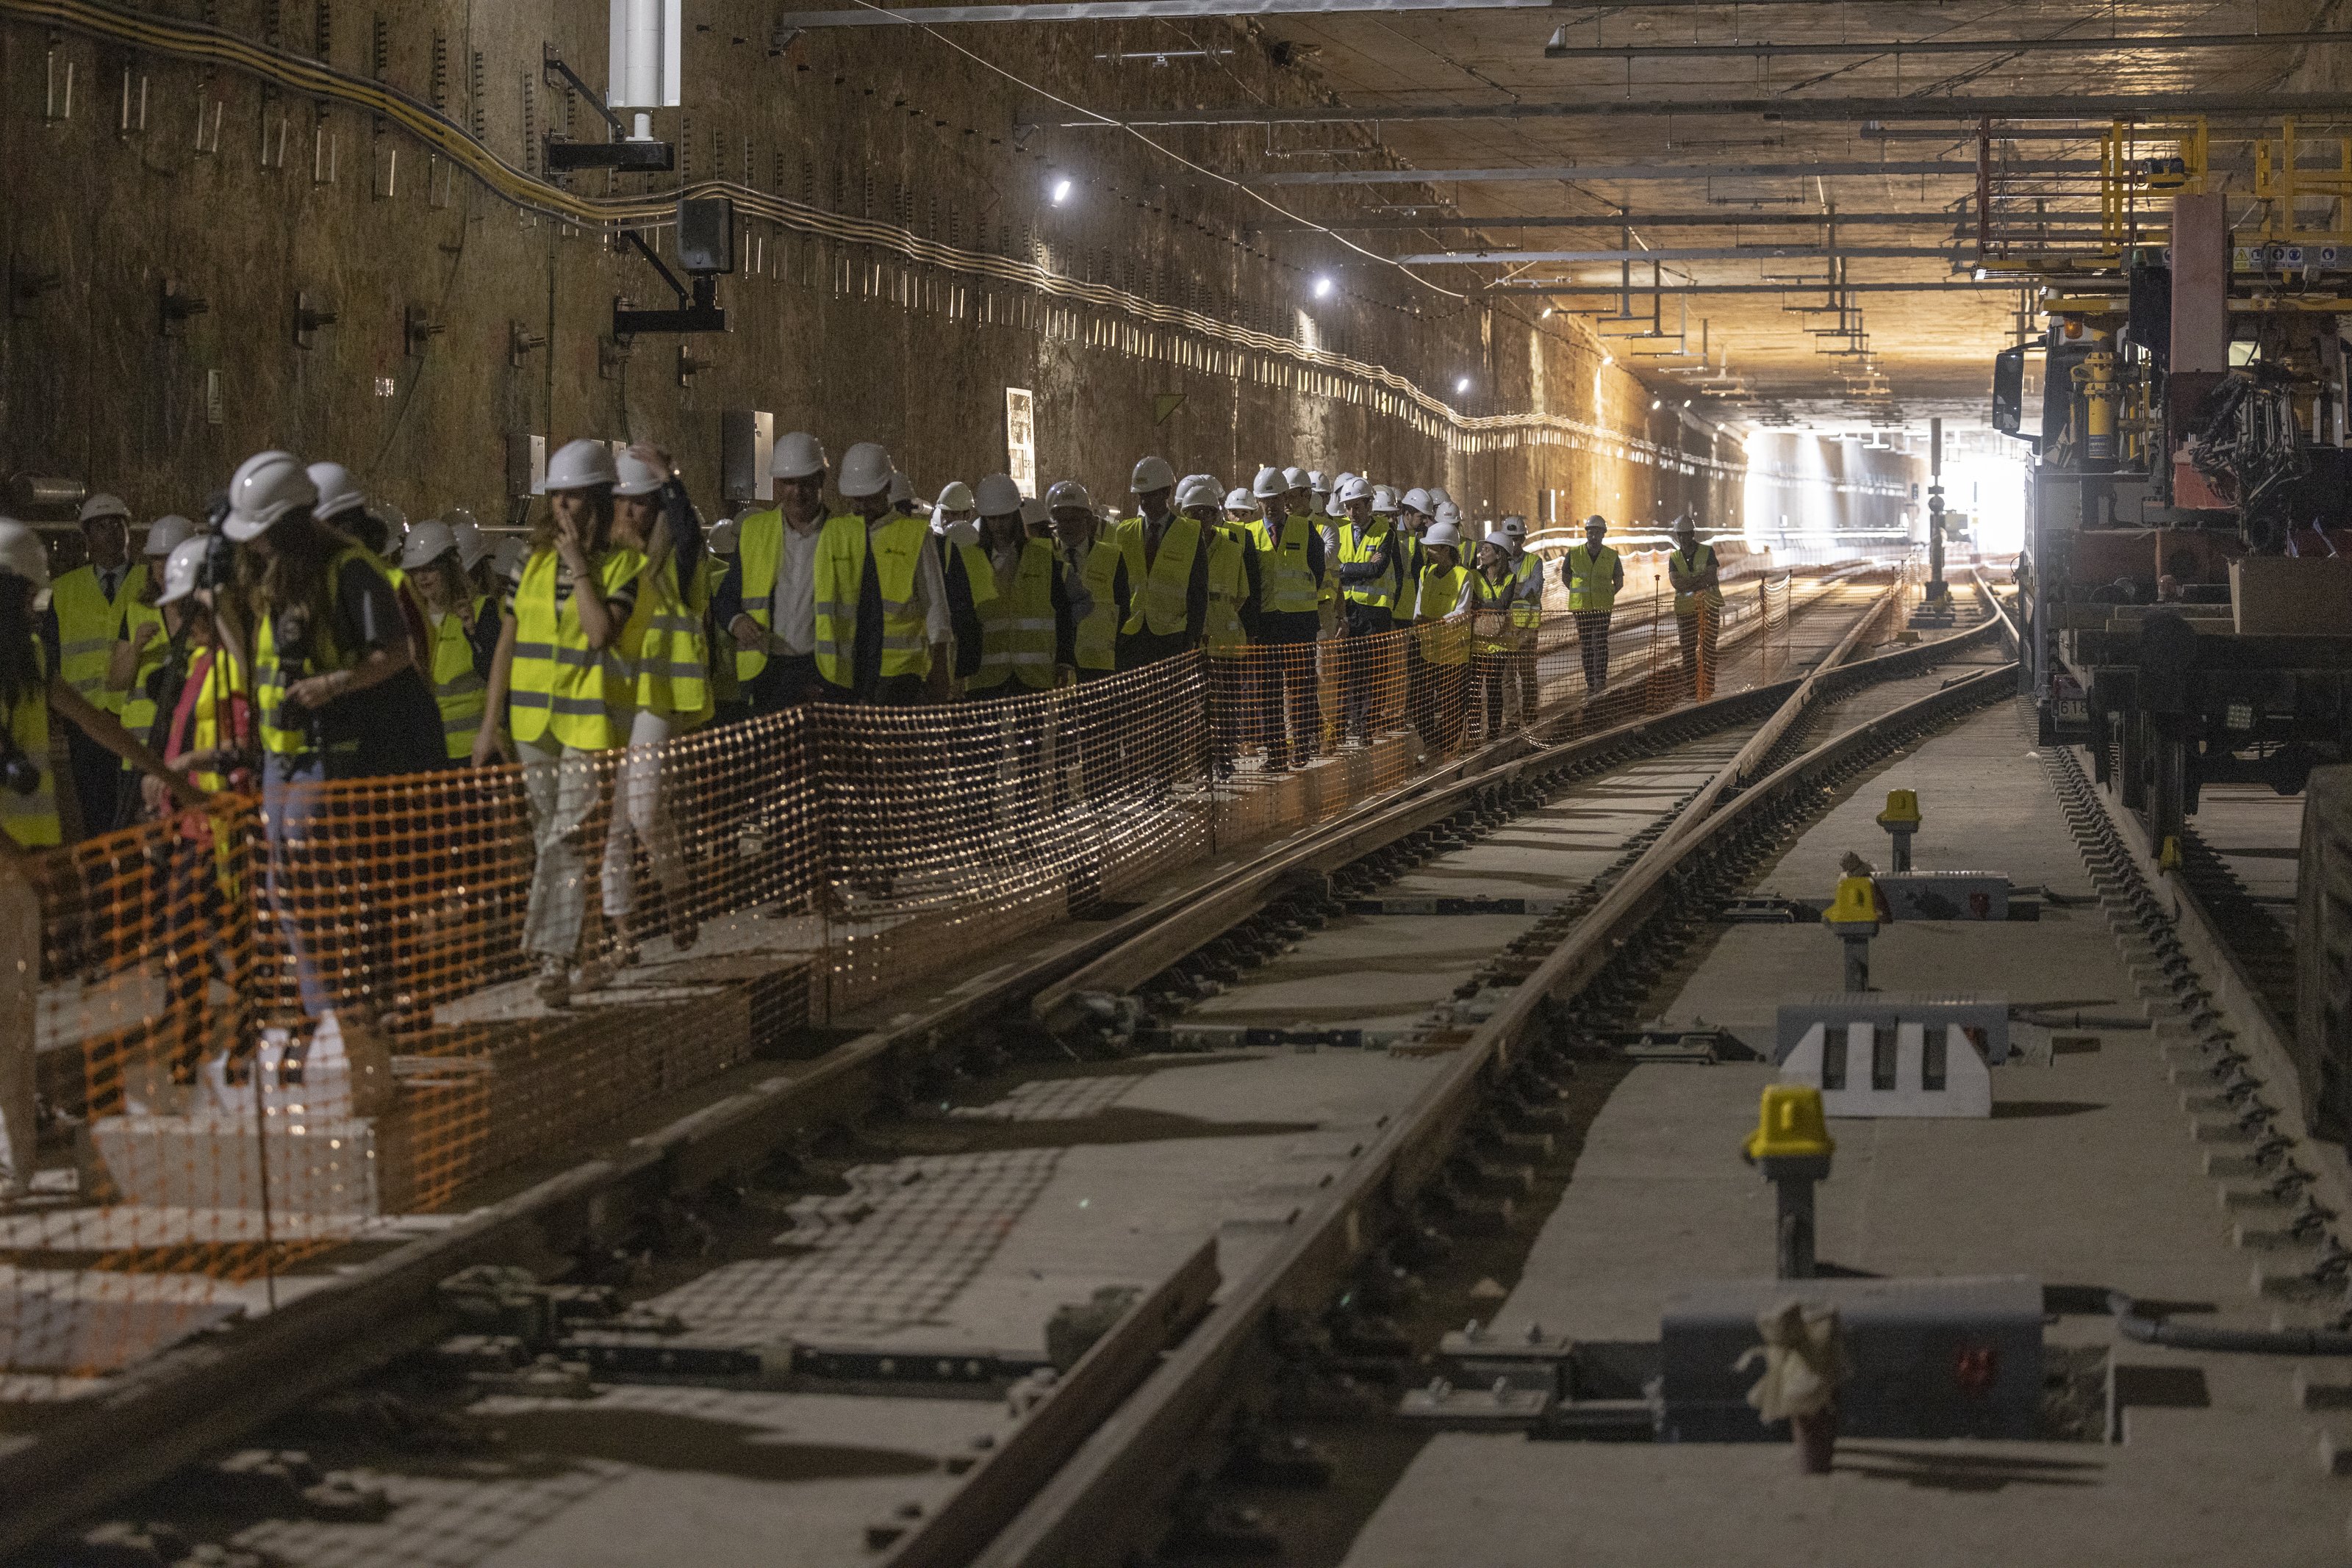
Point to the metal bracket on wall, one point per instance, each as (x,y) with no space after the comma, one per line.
(703,314)
(174,307)
(417,331)
(619,150)
(689,365)
(309,316)
(520,344)
(26,287)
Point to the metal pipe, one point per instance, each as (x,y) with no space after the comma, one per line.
(1938,285)
(1958,168)
(1716,253)
(1727,220)
(2318,108)
(2147,43)
(2137,1325)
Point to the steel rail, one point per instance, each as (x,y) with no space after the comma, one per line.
(205,1395)
(1093,1511)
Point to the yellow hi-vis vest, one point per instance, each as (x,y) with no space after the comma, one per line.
(1591,579)
(1159,590)
(286,731)
(139,703)
(1222,635)
(1097,646)
(1526,607)
(558,684)
(86,619)
(32,820)
(1491,631)
(1358,546)
(897,544)
(1284,576)
(457,690)
(1692,565)
(758,551)
(1444,639)
(224,680)
(1016,628)
(667,645)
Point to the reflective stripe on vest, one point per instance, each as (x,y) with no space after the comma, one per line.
(224,679)
(32,820)
(1016,628)
(1591,579)
(1284,576)
(284,731)
(759,551)
(1491,604)
(1445,637)
(87,621)
(1691,567)
(1527,606)
(557,684)
(1098,632)
(457,690)
(898,548)
(1222,635)
(1160,607)
(138,702)
(1358,546)
(668,647)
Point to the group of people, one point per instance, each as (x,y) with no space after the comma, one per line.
(301,636)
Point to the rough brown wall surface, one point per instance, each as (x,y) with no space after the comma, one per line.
(852,339)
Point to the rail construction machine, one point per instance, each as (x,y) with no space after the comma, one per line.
(2186,578)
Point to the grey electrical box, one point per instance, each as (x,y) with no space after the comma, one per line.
(747,440)
(1931,1358)
(526,465)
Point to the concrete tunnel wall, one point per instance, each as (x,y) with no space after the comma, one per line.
(852,339)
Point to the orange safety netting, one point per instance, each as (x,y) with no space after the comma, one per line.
(261,1034)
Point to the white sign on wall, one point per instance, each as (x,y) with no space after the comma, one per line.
(1021,438)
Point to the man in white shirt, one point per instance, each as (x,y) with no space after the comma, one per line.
(768,604)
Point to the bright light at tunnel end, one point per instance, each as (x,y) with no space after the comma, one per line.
(1061,191)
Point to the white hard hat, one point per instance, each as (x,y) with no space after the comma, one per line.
(1199,490)
(338,491)
(798,454)
(1295,478)
(1437,494)
(581,465)
(22,554)
(180,571)
(902,488)
(1415,500)
(1269,484)
(1033,512)
(1350,489)
(865,470)
(508,559)
(472,543)
(1442,532)
(633,475)
(996,496)
(1514,527)
(165,535)
(1384,501)
(264,487)
(960,532)
(721,537)
(104,506)
(1449,513)
(1240,500)
(1068,493)
(394,520)
(428,541)
(1318,482)
(955,496)
(1152,473)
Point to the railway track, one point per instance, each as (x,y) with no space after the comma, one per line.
(1682,800)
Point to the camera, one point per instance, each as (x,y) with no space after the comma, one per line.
(19,773)
(218,569)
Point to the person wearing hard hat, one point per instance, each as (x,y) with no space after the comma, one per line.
(1292,577)
(768,604)
(462,633)
(474,552)
(1372,579)
(962,544)
(666,644)
(1526,605)
(1094,579)
(1698,582)
(1242,511)
(1592,573)
(1232,615)
(1495,588)
(883,625)
(138,666)
(1167,568)
(567,693)
(378,528)
(87,607)
(1442,615)
(1027,634)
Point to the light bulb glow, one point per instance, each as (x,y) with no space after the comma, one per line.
(1061,191)
(1461,385)
(1323,287)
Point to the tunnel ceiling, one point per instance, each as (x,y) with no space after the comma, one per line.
(1914,334)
